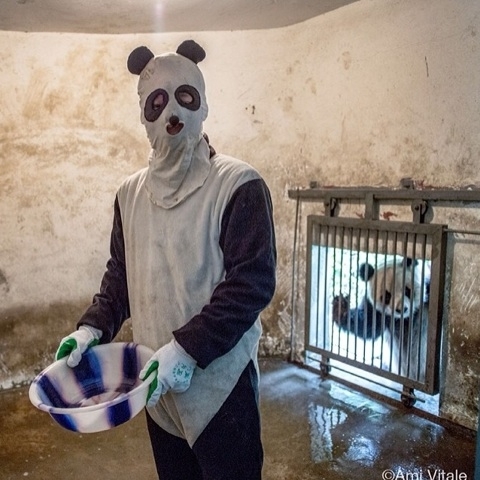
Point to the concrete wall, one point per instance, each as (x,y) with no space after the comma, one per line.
(364,95)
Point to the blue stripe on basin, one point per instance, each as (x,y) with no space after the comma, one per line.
(88,374)
(54,397)
(130,367)
(65,421)
(119,413)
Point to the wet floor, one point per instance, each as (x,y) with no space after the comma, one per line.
(312,429)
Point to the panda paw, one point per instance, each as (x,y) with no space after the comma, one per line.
(340,309)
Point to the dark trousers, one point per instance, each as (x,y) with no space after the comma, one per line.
(229,448)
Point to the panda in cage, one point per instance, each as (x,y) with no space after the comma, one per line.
(395,308)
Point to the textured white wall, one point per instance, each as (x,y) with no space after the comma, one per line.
(364,95)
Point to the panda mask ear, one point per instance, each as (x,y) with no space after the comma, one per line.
(138,60)
(191,50)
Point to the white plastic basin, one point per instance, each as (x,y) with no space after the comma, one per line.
(102,392)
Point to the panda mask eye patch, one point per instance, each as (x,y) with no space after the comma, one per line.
(155,104)
(188,97)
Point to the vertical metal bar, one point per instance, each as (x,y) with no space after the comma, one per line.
(435,309)
(382,318)
(320,229)
(308,282)
(356,340)
(334,261)
(401,320)
(401,352)
(294,276)
(391,319)
(342,261)
(333,277)
(374,320)
(350,264)
(406,322)
(365,323)
(411,325)
(419,347)
(325,292)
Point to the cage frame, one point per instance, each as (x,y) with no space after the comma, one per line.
(437,235)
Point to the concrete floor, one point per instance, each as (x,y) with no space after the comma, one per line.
(312,429)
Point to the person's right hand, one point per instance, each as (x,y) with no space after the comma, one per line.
(75,344)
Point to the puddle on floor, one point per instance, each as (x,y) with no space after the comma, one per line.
(358,402)
(322,422)
(335,432)
(363,451)
(328,441)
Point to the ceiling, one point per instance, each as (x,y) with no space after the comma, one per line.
(152,16)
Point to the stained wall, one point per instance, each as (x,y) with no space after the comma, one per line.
(365,95)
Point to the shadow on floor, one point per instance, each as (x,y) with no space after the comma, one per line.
(312,430)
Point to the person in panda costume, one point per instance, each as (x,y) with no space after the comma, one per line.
(396,303)
(192,264)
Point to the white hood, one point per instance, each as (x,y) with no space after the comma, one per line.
(173,109)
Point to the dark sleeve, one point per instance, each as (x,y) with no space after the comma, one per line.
(110,307)
(247,239)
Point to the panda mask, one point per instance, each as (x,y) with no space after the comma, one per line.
(173,108)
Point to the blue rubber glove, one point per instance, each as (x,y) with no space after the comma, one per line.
(174,368)
(75,344)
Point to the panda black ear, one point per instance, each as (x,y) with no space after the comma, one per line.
(366,271)
(409,262)
(191,50)
(138,60)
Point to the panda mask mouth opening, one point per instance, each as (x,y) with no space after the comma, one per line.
(174,126)
(173,108)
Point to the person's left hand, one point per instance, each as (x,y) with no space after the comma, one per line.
(174,368)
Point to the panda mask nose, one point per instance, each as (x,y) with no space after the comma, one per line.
(174,125)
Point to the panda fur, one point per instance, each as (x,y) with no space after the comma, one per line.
(395,306)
